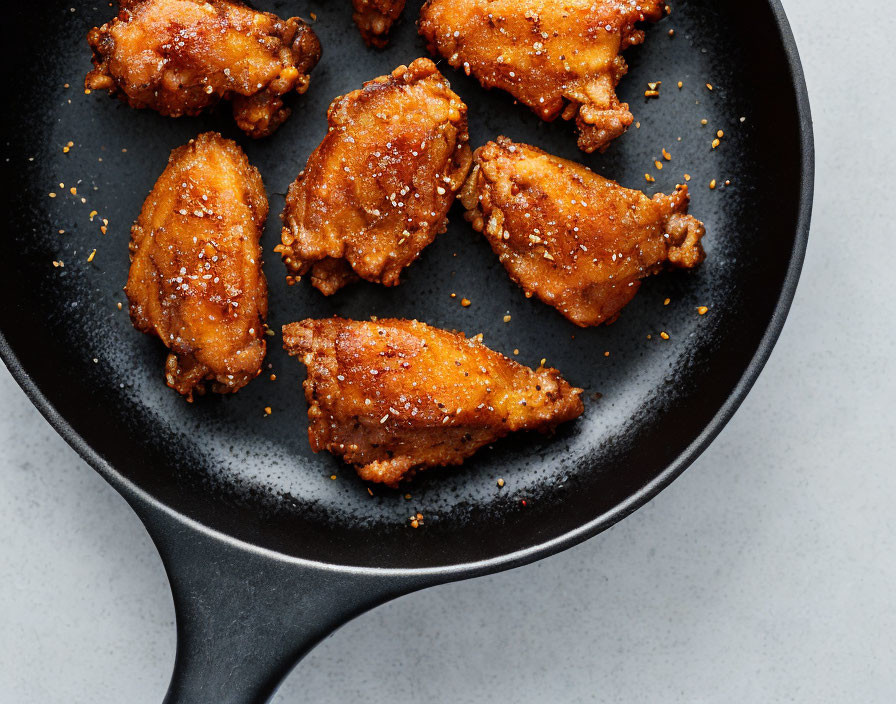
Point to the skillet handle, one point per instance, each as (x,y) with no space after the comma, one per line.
(245,617)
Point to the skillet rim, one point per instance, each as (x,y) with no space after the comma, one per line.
(139,499)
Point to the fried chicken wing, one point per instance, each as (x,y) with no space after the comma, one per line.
(558,58)
(196,278)
(375,19)
(378,188)
(396,396)
(578,241)
(180,57)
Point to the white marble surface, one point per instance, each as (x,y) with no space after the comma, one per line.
(765,573)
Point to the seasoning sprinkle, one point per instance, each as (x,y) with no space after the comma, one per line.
(712,185)
(92,255)
(500,482)
(702,310)
(465,302)
(664,335)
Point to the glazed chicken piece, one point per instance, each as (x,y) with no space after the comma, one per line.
(180,57)
(196,278)
(396,396)
(578,241)
(375,19)
(558,58)
(378,188)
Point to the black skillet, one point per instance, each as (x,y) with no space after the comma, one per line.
(268,547)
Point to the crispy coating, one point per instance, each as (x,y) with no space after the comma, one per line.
(578,241)
(396,396)
(196,278)
(559,58)
(378,188)
(375,19)
(180,57)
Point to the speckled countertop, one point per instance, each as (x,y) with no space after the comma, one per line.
(765,573)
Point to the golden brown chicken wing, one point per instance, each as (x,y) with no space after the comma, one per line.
(578,241)
(559,58)
(396,396)
(377,189)
(196,278)
(180,57)
(375,18)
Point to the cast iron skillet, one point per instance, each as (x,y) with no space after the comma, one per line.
(266,552)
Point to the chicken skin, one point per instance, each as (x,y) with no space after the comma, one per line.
(578,241)
(196,278)
(396,396)
(558,58)
(375,19)
(180,57)
(378,188)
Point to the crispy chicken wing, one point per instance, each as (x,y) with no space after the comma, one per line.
(396,396)
(378,188)
(196,278)
(559,58)
(578,241)
(181,56)
(375,19)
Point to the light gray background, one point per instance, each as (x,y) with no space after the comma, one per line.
(765,573)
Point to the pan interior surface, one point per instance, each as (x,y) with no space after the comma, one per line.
(228,465)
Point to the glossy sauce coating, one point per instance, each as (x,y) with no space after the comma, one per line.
(180,57)
(378,188)
(578,241)
(195,277)
(396,396)
(558,58)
